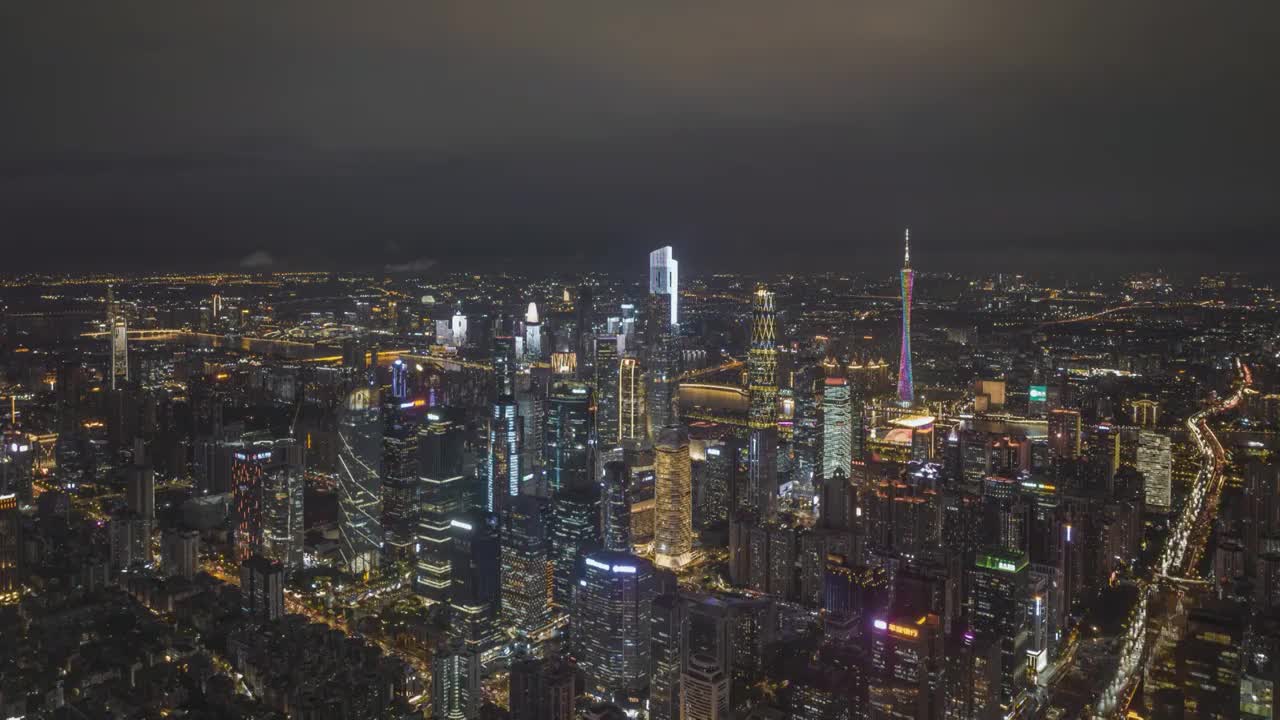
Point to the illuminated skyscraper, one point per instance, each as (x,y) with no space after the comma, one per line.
(441,486)
(262,588)
(504,362)
(837,436)
(664,278)
(526,568)
(673,518)
(399,379)
(455,682)
(611,625)
(606,368)
(1064,434)
(119,352)
(504,455)
(659,364)
(906,389)
(567,444)
(475,588)
(631,423)
(401,488)
(359,481)
(458,329)
(267,489)
(762,362)
(532,334)
(704,690)
(999,612)
(10,549)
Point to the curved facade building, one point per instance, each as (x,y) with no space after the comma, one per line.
(673,495)
(359,482)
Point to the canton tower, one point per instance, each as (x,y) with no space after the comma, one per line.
(906,391)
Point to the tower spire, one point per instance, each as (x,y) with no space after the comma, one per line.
(906,258)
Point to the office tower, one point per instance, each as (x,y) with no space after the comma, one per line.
(1155,462)
(704,690)
(526,569)
(806,441)
(399,380)
(836,502)
(567,449)
(119,352)
(401,488)
(615,506)
(504,365)
(441,494)
(659,364)
(906,389)
(664,279)
(17,465)
(665,636)
(541,689)
(575,532)
(837,435)
(10,549)
(973,677)
(1000,593)
(1064,434)
(142,500)
(262,588)
(611,625)
(719,476)
(267,494)
(907,662)
(631,403)
(762,472)
(503,466)
(673,496)
(180,553)
(455,682)
(762,363)
(359,481)
(475,591)
(458,329)
(608,402)
(584,329)
(532,334)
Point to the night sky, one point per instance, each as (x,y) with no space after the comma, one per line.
(749,135)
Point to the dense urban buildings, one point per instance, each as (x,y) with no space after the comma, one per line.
(462,495)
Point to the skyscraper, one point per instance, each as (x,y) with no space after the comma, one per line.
(762,362)
(399,379)
(441,492)
(401,488)
(359,481)
(119,351)
(673,518)
(906,388)
(606,368)
(1155,462)
(1000,595)
(504,361)
(611,619)
(267,489)
(664,278)
(659,364)
(837,436)
(458,329)
(532,334)
(1064,434)
(631,423)
(142,499)
(503,480)
(475,591)
(262,588)
(541,689)
(455,682)
(567,445)
(526,569)
(10,549)
(615,506)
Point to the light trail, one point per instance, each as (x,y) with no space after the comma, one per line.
(1179,557)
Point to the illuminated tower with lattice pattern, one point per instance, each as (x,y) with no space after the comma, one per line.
(906,389)
(762,362)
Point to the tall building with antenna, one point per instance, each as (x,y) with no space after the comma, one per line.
(906,389)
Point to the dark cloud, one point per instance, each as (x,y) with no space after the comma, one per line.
(348,135)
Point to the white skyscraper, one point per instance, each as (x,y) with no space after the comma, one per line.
(459,328)
(532,333)
(1155,462)
(664,278)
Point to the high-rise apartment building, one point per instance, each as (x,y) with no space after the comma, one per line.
(1155,462)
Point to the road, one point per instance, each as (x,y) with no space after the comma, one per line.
(1180,557)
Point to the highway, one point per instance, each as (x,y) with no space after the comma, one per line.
(1180,557)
